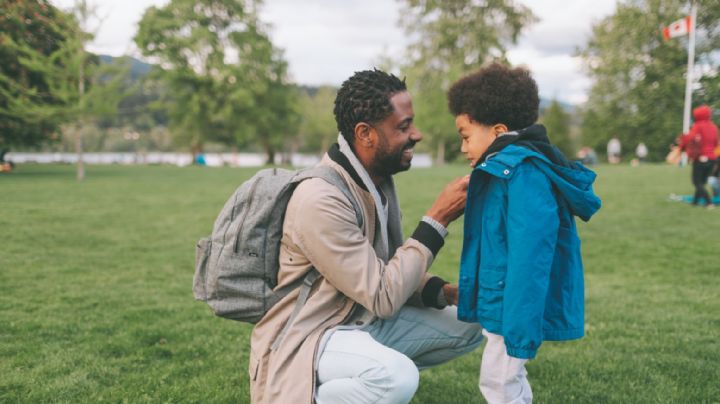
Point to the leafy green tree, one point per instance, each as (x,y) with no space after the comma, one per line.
(31,33)
(318,128)
(226,82)
(51,80)
(89,89)
(639,79)
(557,122)
(450,39)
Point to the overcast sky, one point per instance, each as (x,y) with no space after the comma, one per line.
(325,41)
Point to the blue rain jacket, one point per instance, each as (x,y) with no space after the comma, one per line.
(521,273)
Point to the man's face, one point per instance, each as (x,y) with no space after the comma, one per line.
(396,138)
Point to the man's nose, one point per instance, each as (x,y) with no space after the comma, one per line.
(416,135)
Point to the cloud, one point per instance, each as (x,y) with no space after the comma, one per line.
(563,26)
(325,41)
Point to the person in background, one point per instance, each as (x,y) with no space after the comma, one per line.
(613,150)
(641,152)
(700,144)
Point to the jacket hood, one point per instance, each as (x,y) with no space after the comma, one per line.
(702,113)
(570,178)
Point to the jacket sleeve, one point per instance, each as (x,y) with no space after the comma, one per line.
(325,229)
(429,293)
(532,230)
(687,137)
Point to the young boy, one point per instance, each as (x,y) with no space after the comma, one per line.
(521,274)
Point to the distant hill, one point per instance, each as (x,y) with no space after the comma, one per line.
(138,68)
(545,103)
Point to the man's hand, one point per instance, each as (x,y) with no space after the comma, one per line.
(451,293)
(450,204)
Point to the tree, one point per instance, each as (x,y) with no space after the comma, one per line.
(318,128)
(452,38)
(31,32)
(639,79)
(557,122)
(226,82)
(51,80)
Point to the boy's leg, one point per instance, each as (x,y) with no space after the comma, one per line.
(427,336)
(354,368)
(503,379)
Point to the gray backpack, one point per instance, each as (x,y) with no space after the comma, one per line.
(236,267)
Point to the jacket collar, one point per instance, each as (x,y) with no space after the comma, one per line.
(573,182)
(336,156)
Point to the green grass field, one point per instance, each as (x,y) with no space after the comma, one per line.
(96,302)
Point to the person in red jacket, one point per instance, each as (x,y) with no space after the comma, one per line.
(700,144)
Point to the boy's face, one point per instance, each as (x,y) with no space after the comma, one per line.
(476,137)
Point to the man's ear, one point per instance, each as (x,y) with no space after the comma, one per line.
(364,135)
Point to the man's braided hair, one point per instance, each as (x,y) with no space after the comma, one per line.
(365,97)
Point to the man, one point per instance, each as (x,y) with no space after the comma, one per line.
(355,340)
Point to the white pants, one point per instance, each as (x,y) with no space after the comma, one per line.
(379,363)
(503,379)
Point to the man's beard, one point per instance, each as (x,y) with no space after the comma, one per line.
(388,162)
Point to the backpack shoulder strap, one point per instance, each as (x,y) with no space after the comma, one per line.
(329,175)
(334,178)
(308,281)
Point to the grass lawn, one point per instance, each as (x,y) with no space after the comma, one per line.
(96,301)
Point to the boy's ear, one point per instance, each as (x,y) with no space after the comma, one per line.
(500,128)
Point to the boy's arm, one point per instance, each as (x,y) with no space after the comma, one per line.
(532,230)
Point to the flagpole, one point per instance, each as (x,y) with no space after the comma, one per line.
(690,69)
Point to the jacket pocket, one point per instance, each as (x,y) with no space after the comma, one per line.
(490,294)
(492,279)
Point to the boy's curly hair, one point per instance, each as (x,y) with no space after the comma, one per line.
(496,94)
(365,97)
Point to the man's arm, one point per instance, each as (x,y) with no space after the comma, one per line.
(325,229)
(450,204)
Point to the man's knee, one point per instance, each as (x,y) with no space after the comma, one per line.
(395,379)
(402,380)
(468,334)
(473,334)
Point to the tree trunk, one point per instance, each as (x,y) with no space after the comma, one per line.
(440,154)
(79,150)
(288,156)
(81,92)
(270,152)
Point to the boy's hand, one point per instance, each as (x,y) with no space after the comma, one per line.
(451,293)
(450,204)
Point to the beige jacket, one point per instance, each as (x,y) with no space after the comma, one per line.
(321,229)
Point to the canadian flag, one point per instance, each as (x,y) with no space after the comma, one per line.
(678,28)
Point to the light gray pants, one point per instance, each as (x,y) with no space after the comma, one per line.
(503,379)
(379,363)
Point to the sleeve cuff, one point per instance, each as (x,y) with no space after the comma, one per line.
(432,291)
(436,225)
(429,236)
